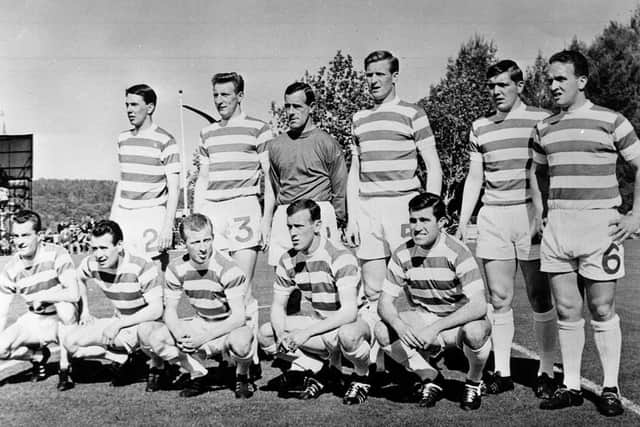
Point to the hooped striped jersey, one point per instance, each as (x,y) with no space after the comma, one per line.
(146,159)
(503,144)
(388,138)
(209,288)
(130,286)
(438,280)
(581,148)
(319,276)
(232,151)
(30,279)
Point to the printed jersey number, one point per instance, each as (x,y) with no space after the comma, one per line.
(150,238)
(245,233)
(611,261)
(405,231)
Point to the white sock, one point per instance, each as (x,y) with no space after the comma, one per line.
(477,359)
(571,338)
(545,326)
(304,362)
(502,338)
(360,358)
(608,338)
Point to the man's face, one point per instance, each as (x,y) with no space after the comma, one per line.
(226,100)
(25,238)
(564,84)
(199,245)
(424,226)
(302,229)
(380,80)
(504,91)
(105,251)
(137,109)
(298,112)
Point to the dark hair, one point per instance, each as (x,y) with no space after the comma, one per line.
(195,222)
(579,61)
(302,204)
(310,97)
(383,55)
(26,215)
(106,226)
(145,91)
(508,66)
(235,78)
(428,200)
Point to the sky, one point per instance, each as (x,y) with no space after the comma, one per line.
(64,65)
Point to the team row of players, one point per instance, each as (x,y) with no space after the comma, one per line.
(579,145)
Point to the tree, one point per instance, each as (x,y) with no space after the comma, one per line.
(453,104)
(340,91)
(536,90)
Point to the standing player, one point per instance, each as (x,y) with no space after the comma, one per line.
(45,277)
(509,222)
(445,289)
(231,159)
(216,288)
(305,163)
(383,174)
(133,286)
(582,242)
(327,274)
(147,194)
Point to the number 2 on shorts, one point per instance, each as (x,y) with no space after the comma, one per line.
(150,238)
(611,261)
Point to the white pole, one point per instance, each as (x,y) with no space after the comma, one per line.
(183,158)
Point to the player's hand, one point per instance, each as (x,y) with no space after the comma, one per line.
(193,341)
(352,235)
(461,232)
(110,332)
(624,226)
(294,339)
(86,318)
(165,238)
(429,337)
(409,337)
(265,235)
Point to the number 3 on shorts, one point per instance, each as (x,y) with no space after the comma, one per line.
(245,233)
(611,261)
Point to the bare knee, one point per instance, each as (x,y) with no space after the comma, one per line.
(241,341)
(67,313)
(382,334)
(146,330)
(351,336)
(601,309)
(476,333)
(266,336)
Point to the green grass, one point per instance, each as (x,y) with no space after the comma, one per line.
(94,402)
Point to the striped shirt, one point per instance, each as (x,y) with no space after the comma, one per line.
(319,276)
(438,280)
(581,148)
(387,138)
(210,289)
(146,158)
(503,145)
(130,286)
(30,280)
(232,150)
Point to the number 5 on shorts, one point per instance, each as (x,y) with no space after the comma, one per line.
(611,261)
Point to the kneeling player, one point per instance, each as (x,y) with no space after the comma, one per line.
(45,277)
(132,284)
(328,276)
(446,291)
(215,286)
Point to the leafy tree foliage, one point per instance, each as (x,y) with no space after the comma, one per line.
(536,90)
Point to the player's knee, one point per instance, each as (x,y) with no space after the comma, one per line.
(381,331)
(601,310)
(350,336)
(501,299)
(241,341)
(265,335)
(67,313)
(145,330)
(476,333)
(70,342)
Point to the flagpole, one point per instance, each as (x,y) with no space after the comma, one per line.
(183,158)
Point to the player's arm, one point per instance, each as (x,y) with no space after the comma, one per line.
(338,177)
(5,303)
(352,233)
(630,223)
(434,170)
(166,233)
(278,315)
(67,291)
(235,319)
(269,199)
(85,314)
(474,309)
(470,195)
(202,181)
(116,199)
(389,315)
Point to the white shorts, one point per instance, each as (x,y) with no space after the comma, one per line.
(220,345)
(128,336)
(578,240)
(383,224)
(280,241)
(236,222)
(506,232)
(33,329)
(140,229)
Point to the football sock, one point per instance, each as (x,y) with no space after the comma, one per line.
(411,360)
(502,338)
(64,356)
(477,358)
(360,358)
(571,338)
(608,338)
(116,357)
(270,350)
(545,326)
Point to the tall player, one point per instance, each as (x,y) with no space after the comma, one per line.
(445,289)
(133,286)
(147,194)
(509,222)
(582,242)
(232,158)
(45,277)
(216,288)
(305,163)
